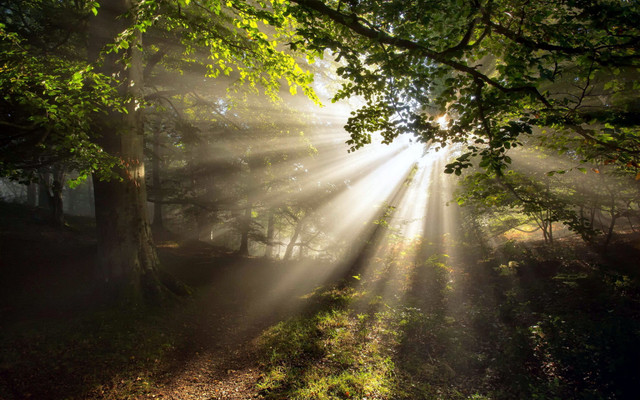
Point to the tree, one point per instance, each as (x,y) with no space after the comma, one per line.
(494,69)
(94,109)
(50,94)
(127,257)
(48,97)
(503,200)
(125,244)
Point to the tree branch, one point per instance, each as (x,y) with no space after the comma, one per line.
(356,26)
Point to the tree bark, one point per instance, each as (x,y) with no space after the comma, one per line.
(245,229)
(127,258)
(612,221)
(32,191)
(43,189)
(55,198)
(50,186)
(158,223)
(292,243)
(247,219)
(91,197)
(268,253)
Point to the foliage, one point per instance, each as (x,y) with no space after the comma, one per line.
(521,322)
(355,343)
(232,38)
(238,158)
(47,107)
(524,322)
(334,354)
(52,94)
(544,188)
(543,204)
(495,69)
(573,331)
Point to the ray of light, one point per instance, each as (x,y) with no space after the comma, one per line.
(357,199)
(351,213)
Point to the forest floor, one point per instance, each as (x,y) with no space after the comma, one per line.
(57,340)
(524,322)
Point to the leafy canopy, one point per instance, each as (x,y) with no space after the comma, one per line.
(496,68)
(52,94)
(46,109)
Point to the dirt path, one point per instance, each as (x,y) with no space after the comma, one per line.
(221,366)
(55,343)
(219,360)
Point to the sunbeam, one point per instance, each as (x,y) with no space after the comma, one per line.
(319,199)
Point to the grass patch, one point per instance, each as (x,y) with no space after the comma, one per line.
(340,352)
(536,325)
(333,354)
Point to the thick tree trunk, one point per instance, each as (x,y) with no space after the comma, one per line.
(127,257)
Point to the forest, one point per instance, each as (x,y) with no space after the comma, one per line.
(319,199)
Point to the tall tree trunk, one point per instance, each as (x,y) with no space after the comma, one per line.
(245,229)
(253,164)
(302,250)
(292,243)
(55,199)
(268,253)
(128,262)
(43,189)
(91,197)
(612,221)
(32,191)
(71,202)
(158,223)
(50,187)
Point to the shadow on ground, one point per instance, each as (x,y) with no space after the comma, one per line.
(438,317)
(58,340)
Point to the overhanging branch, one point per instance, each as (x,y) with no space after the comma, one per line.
(355,24)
